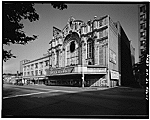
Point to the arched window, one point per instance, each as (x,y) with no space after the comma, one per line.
(72,53)
(90,51)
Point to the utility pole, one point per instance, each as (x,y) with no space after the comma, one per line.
(17,76)
(82,79)
(48,64)
(82,65)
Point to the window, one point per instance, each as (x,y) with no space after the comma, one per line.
(32,73)
(143,43)
(28,67)
(143,51)
(60,59)
(105,21)
(143,26)
(90,49)
(57,61)
(105,33)
(50,61)
(67,29)
(28,73)
(100,23)
(88,28)
(32,66)
(46,63)
(142,17)
(41,64)
(36,72)
(100,34)
(143,8)
(95,25)
(81,30)
(72,53)
(36,65)
(72,46)
(40,72)
(24,68)
(76,26)
(143,34)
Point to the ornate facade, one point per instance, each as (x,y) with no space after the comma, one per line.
(85,53)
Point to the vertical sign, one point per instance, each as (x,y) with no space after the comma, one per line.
(83,54)
(100,55)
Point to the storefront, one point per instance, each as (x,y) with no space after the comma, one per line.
(114,81)
(34,80)
(72,76)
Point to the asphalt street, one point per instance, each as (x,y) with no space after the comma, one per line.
(60,101)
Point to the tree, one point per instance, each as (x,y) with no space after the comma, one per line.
(13,13)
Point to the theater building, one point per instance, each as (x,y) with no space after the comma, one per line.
(93,53)
(85,54)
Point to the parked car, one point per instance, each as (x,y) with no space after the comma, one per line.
(20,84)
(15,83)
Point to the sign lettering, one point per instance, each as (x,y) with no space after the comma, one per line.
(60,71)
(99,70)
(114,75)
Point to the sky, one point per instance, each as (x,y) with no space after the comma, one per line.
(126,14)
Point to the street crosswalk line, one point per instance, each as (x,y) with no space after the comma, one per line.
(29,94)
